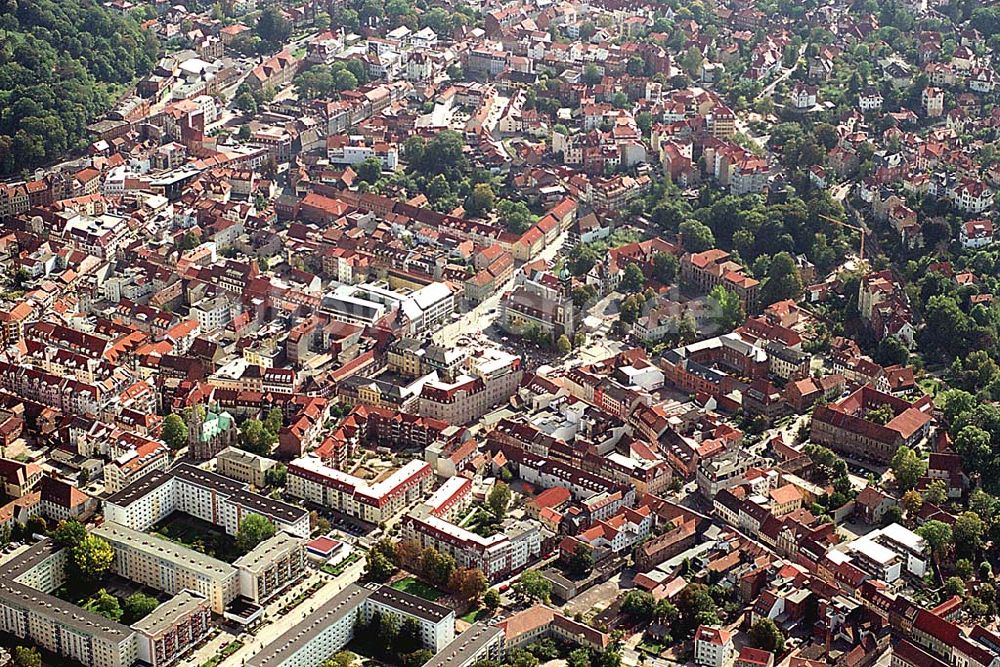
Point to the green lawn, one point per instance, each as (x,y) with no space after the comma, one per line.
(416,587)
(475,615)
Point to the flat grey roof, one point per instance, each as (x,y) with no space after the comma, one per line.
(20,596)
(261,556)
(162,548)
(165,616)
(411,604)
(294,639)
(463,647)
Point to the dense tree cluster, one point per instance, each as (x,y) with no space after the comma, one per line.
(62,62)
(327,80)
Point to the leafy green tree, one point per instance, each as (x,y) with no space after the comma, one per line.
(491,600)
(936,492)
(253,530)
(639,605)
(696,236)
(954,586)
(728,308)
(276,475)
(533,586)
(174,432)
(273,28)
(498,499)
(665,267)
(340,659)
(69,533)
(378,568)
(93,557)
(480,201)
(782,280)
(633,279)
(139,606)
(515,216)
(968,533)
(765,635)
(105,604)
(696,607)
(563,344)
(581,259)
(370,170)
(907,467)
(27,656)
(938,536)
(581,563)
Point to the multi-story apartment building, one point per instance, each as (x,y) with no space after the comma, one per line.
(173,628)
(29,611)
(271,566)
(328,629)
(311,479)
(169,567)
(149,456)
(206,495)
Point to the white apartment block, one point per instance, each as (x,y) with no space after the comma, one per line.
(311,479)
(271,567)
(170,567)
(173,628)
(206,495)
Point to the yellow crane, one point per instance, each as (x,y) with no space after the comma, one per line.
(860,230)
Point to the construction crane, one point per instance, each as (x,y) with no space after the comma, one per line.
(860,230)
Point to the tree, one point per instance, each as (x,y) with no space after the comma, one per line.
(93,557)
(273,28)
(728,308)
(564,345)
(253,530)
(578,658)
(696,607)
(696,236)
(968,533)
(468,583)
(633,280)
(105,604)
(954,586)
(782,280)
(907,467)
(639,605)
(912,501)
(936,492)
(665,267)
(370,170)
(491,600)
(581,563)
(276,475)
(515,216)
(591,75)
(764,634)
(174,432)
(139,606)
(581,259)
(938,536)
(378,568)
(436,567)
(498,499)
(254,437)
(481,200)
(27,656)
(955,402)
(534,586)
(69,533)
(340,659)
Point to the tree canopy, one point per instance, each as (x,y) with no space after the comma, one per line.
(62,64)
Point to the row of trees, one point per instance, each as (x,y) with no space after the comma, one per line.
(385,558)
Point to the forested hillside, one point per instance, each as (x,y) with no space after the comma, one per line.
(61,64)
